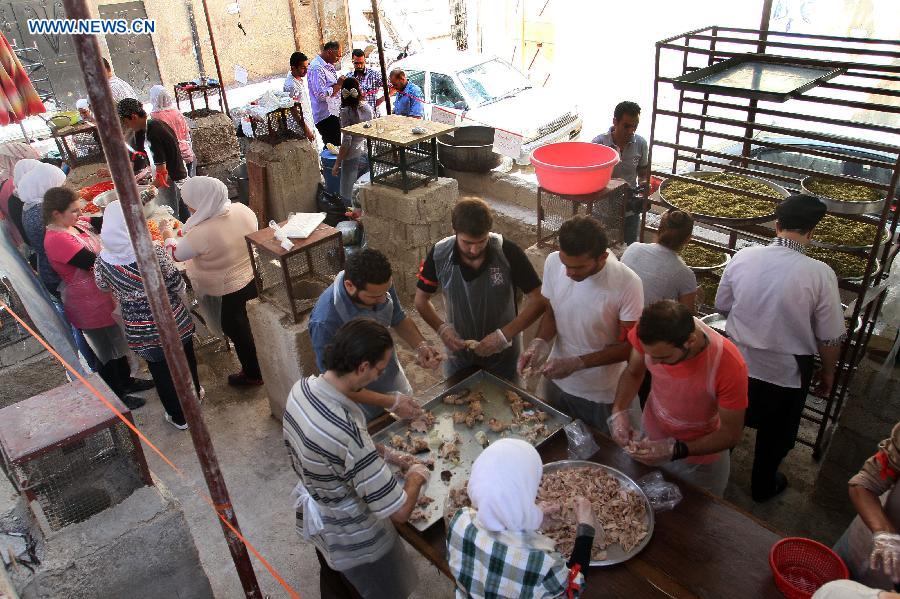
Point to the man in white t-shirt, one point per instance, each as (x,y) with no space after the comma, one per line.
(593,301)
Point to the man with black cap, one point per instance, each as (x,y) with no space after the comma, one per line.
(783,307)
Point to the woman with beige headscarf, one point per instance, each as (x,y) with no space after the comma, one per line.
(218,265)
(164,110)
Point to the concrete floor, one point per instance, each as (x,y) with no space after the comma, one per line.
(257,471)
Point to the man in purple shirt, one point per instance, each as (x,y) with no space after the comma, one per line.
(324,92)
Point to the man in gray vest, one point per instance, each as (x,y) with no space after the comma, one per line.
(364,289)
(478,273)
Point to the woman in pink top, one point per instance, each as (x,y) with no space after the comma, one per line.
(72,247)
(164,110)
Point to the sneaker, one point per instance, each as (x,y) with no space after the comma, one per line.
(133,402)
(242,380)
(781,483)
(201,394)
(137,385)
(182,427)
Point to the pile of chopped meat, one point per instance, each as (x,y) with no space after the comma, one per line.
(410,443)
(457,399)
(620,511)
(450,449)
(423,423)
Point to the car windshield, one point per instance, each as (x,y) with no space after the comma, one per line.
(491,81)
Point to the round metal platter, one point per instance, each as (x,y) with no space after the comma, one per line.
(710,268)
(849,248)
(721,219)
(615,554)
(839,206)
(716,322)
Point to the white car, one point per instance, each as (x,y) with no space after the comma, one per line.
(492,92)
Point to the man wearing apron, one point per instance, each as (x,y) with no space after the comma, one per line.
(782,308)
(695,410)
(871,546)
(478,273)
(347,500)
(364,289)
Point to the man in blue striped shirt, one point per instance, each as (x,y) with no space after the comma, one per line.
(347,499)
(409,96)
(325,92)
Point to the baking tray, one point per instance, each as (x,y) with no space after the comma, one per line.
(839,206)
(614,553)
(731,222)
(494,406)
(717,322)
(751,76)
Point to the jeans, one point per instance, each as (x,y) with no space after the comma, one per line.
(171,196)
(236,326)
(165,386)
(349,171)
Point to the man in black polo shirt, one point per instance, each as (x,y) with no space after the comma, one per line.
(170,169)
(478,273)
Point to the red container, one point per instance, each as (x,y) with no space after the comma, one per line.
(574,167)
(801,566)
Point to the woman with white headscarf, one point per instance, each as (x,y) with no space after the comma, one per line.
(503,524)
(30,188)
(212,245)
(164,110)
(11,155)
(116,269)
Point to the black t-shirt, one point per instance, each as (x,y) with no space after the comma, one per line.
(524,277)
(164,145)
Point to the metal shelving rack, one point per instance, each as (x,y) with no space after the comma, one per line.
(693,126)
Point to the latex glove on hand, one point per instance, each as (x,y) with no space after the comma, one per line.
(533,358)
(560,368)
(885,556)
(451,338)
(653,453)
(494,343)
(620,428)
(428,357)
(551,511)
(395,458)
(162,176)
(405,407)
(584,513)
(421,471)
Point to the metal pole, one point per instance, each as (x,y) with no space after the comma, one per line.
(760,48)
(109,128)
(212,42)
(384,77)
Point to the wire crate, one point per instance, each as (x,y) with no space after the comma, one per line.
(279,125)
(79,144)
(11,331)
(292,280)
(188,91)
(403,167)
(608,206)
(74,467)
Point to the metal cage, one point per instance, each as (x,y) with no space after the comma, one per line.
(292,280)
(74,467)
(403,167)
(608,206)
(188,92)
(79,144)
(280,125)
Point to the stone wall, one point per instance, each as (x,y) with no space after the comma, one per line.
(292,176)
(405,225)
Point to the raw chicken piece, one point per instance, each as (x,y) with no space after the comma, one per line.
(498,426)
(423,423)
(482,439)
(418,445)
(450,449)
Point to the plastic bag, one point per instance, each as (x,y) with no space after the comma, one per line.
(663,495)
(581,442)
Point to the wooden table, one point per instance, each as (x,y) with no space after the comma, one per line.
(397,130)
(704,548)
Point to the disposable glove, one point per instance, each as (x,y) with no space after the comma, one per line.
(162,174)
(451,338)
(560,368)
(653,453)
(885,554)
(428,357)
(533,358)
(492,344)
(419,470)
(620,428)
(405,407)
(396,458)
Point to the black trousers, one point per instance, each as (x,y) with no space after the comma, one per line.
(236,326)
(117,374)
(165,386)
(775,414)
(330,130)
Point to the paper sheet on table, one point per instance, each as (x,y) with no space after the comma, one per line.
(507,144)
(302,224)
(441,115)
(240,74)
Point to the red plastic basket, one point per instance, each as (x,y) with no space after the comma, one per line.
(801,566)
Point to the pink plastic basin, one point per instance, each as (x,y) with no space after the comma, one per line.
(574,167)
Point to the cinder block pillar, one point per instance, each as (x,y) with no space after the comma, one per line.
(405,225)
(292,169)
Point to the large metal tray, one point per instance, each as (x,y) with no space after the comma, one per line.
(839,206)
(614,553)
(495,406)
(751,76)
(731,222)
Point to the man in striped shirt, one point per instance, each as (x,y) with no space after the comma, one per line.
(347,498)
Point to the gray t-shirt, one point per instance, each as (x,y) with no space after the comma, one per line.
(662,271)
(353,116)
(633,156)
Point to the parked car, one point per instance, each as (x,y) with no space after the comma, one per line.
(492,92)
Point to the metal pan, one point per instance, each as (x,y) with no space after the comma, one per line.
(709,268)
(850,248)
(718,321)
(614,553)
(732,222)
(495,406)
(839,206)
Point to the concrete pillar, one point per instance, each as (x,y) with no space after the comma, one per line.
(214,139)
(285,351)
(293,175)
(405,225)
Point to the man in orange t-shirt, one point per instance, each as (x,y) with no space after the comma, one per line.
(695,411)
